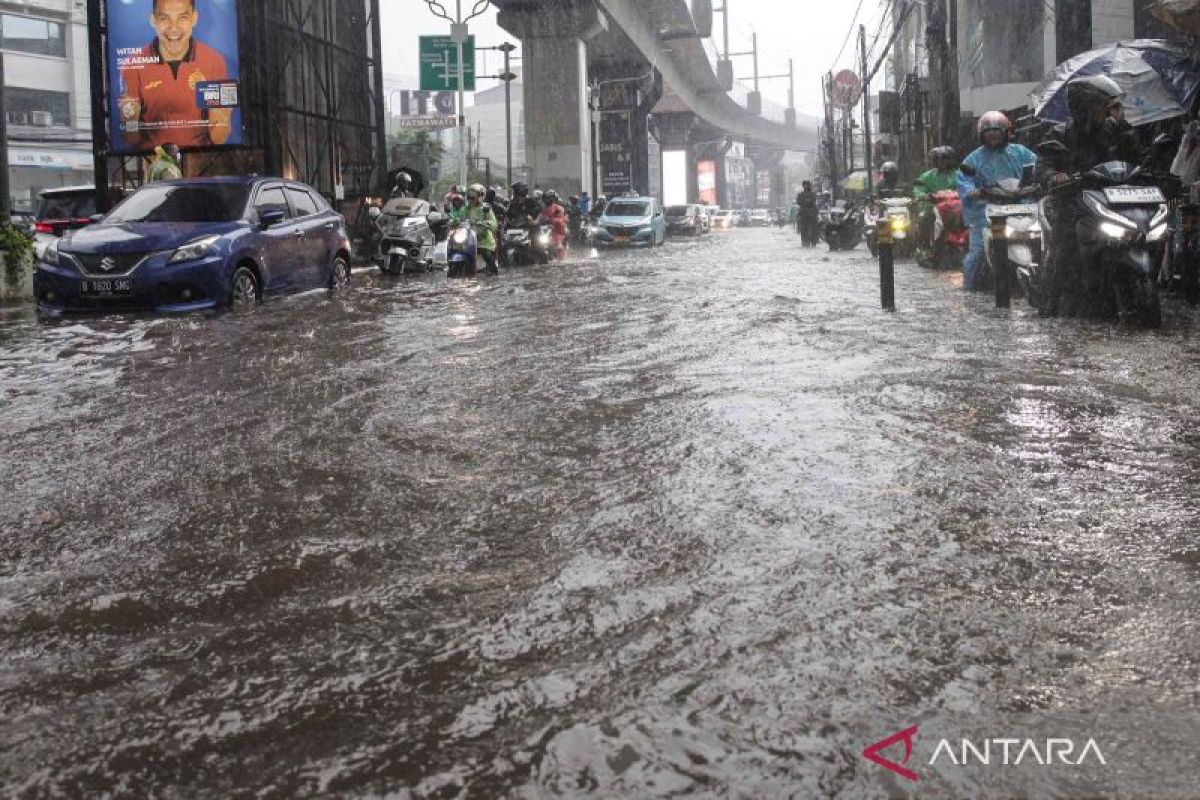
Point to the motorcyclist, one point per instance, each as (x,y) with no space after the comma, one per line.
(496,202)
(889,183)
(166,164)
(574,219)
(598,208)
(522,212)
(1096,133)
(943,177)
(585,204)
(555,216)
(810,214)
(483,219)
(996,159)
(403,186)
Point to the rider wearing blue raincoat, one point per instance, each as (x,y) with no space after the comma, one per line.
(995,160)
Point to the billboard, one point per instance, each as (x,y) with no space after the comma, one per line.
(616,153)
(418,110)
(706,181)
(173,74)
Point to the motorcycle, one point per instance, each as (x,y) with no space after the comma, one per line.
(1123,229)
(524,247)
(1015,202)
(895,211)
(407,238)
(950,235)
(462,250)
(843,228)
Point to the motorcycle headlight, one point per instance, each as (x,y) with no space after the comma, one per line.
(1158,233)
(1113,231)
(459,236)
(544,239)
(899,223)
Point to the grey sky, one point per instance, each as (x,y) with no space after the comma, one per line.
(809,31)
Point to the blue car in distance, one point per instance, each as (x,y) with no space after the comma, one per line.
(196,244)
(631,221)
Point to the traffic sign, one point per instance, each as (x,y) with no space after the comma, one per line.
(439,64)
(847,89)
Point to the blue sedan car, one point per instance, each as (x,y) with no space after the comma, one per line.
(197,244)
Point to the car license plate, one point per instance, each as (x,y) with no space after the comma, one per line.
(1016,210)
(1134,195)
(620,237)
(113,287)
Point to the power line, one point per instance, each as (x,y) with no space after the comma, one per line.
(849,33)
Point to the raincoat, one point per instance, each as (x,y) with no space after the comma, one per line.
(991,167)
(164,168)
(484,220)
(932,182)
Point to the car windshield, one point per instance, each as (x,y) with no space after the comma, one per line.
(217,202)
(67,206)
(677,211)
(627,209)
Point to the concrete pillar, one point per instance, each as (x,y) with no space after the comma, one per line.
(554,71)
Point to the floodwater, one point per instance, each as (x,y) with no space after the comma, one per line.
(701,521)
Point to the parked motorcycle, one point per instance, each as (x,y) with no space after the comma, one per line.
(950,235)
(407,238)
(1123,230)
(524,247)
(462,250)
(843,228)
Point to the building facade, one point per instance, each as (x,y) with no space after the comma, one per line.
(47,97)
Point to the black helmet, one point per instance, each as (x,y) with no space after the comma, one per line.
(404,182)
(490,195)
(890,171)
(550,196)
(172,150)
(1087,95)
(995,121)
(520,189)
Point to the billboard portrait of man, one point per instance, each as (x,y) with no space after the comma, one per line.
(176,88)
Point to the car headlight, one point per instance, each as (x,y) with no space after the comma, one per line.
(194,250)
(459,236)
(1113,231)
(50,254)
(1157,234)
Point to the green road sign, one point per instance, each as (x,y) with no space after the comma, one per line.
(439,64)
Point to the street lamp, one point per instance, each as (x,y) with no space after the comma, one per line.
(458,34)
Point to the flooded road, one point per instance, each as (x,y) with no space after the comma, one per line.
(696,522)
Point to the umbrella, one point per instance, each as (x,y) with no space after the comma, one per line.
(1161,80)
(855,181)
(1182,15)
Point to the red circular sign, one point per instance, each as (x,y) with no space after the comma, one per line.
(847,89)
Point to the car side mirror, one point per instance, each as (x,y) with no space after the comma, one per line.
(271,218)
(94,218)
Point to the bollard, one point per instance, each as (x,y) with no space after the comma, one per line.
(1002,272)
(887,265)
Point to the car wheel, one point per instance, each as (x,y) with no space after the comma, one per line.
(339,273)
(244,291)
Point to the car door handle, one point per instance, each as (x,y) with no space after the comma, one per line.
(330,226)
(299,234)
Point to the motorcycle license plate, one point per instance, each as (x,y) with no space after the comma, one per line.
(1016,210)
(1134,195)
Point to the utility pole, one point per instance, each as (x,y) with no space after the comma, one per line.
(507,49)
(754,39)
(831,136)
(5,198)
(459,34)
(866,91)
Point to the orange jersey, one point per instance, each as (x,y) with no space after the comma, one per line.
(160,101)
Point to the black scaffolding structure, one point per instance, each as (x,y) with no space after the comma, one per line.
(311,87)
